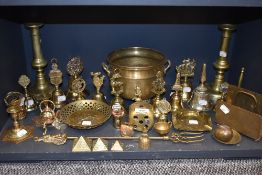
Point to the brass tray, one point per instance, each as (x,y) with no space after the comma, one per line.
(85,114)
(191,120)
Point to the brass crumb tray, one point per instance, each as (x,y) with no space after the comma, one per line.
(85,114)
(191,120)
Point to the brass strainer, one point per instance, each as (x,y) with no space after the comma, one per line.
(85,114)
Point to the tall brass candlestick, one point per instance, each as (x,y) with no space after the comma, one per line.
(221,65)
(42,88)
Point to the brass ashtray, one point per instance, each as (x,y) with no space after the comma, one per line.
(226,135)
(85,114)
(191,120)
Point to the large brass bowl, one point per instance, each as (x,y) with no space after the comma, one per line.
(138,67)
(85,114)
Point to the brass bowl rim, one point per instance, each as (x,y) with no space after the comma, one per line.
(161,62)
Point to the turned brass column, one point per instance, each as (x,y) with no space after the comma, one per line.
(42,88)
(221,64)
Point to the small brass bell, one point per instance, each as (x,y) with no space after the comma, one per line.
(176,96)
(200,99)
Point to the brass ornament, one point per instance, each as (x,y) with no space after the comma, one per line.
(186,70)
(100,145)
(55,75)
(47,114)
(117,88)
(158,88)
(138,94)
(117,146)
(118,113)
(226,135)
(42,89)
(144,141)
(85,114)
(16,99)
(98,80)
(29,102)
(57,139)
(78,86)
(74,69)
(82,144)
(126,130)
(221,64)
(19,132)
(200,99)
(176,101)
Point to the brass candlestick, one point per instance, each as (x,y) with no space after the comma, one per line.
(58,96)
(42,89)
(98,80)
(29,102)
(74,68)
(117,88)
(186,70)
(78,86)
(221,65)
(18,133)
(176,96)
(158,89)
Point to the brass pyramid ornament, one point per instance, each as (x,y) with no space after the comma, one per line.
(117,146)
(82,144)
(29,102)
(100,145)
(74,69)
(176,96)
(186,70)
(42,89)
(98,80)
(55,75)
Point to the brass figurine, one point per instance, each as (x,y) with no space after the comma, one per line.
(98,80)
(200,99)
(176,101)
(117,88)
(57,139)
(29,102)
(55,75)
(19,132)
(221,65)
(42,89)
(186,70)
(78,86)
(74,68)
(158,88)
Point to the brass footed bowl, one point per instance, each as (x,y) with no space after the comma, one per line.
(85,114)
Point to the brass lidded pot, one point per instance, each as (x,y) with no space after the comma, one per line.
(138,66)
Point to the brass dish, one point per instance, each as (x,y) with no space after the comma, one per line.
(191,120)
(85,114)
(226,135)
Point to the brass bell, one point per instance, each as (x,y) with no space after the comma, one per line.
(200,99)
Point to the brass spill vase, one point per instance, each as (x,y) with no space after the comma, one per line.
(42,89)
(221,65)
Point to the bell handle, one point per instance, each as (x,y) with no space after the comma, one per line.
(168,66)
(106,68)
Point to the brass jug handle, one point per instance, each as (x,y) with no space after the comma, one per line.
(168,66)
(106,68)
(249,94)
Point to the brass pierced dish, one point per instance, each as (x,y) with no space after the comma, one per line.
(191,120)
(85,114)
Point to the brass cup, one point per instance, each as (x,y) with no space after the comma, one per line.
(163,127)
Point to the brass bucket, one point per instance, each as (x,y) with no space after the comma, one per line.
(138,67)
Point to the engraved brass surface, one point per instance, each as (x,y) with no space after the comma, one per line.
(137,66)
(85,114)
(42,89)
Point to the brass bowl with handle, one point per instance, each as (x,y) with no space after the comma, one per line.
(138,67)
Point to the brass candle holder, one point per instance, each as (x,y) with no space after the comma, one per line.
(18,133)
(98,80)
(176,101)
(158,89)
(78,86)
(42,88)
(55,75)
(74,68)
(117,88)
(29,102)
(221,65)
(186,70)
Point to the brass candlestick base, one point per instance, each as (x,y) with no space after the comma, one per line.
(42,89)
(18,133)
(221,65)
